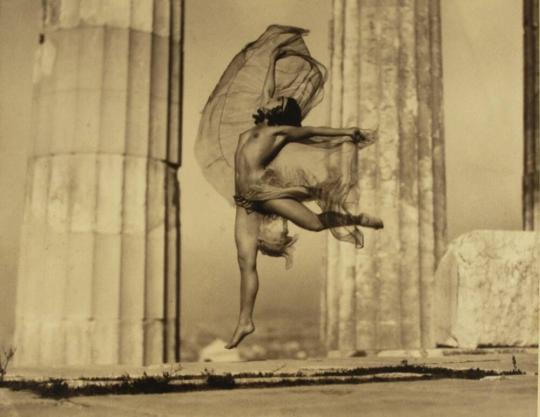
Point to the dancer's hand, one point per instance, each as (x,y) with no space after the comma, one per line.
(363,136)
(356,135)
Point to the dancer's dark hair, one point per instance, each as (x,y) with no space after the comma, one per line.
(287,114)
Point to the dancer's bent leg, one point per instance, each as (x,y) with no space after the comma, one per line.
(302,216)
(334,219)
(246,234)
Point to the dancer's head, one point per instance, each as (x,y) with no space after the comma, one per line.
(280,111)
(274,239)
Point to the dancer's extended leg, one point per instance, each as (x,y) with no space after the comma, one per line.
(303,217)
(246,234)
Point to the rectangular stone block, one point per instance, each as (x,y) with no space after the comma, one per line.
(486,290)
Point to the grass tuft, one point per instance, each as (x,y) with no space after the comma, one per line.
(5,359)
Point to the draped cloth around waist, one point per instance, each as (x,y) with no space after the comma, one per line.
(324,173)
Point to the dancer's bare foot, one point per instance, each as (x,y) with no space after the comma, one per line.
(242,330)
(370,221)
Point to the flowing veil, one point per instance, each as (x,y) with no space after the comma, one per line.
(239,93)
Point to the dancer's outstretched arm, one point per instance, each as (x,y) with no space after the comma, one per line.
(322,136)
(303,133)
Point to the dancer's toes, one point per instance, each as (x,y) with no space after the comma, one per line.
(370,221)
(242,330)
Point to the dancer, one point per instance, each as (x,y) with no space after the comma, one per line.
(277,163)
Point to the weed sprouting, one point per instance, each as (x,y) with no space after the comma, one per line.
(5,359)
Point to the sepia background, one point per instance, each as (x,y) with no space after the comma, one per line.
(482,58)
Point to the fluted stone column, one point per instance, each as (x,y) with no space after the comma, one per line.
(99,265)
(386,75)
(531,149)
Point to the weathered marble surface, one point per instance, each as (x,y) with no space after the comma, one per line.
(486,290)
(386,75)
(99,266)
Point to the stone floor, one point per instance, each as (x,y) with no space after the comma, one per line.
(506,396)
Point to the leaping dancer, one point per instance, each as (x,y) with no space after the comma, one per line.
(275,164)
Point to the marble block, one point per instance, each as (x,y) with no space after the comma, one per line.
(486,290)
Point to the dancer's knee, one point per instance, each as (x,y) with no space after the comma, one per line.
(315,224)
(246,262)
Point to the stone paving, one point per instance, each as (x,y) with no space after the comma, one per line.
(504,396)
